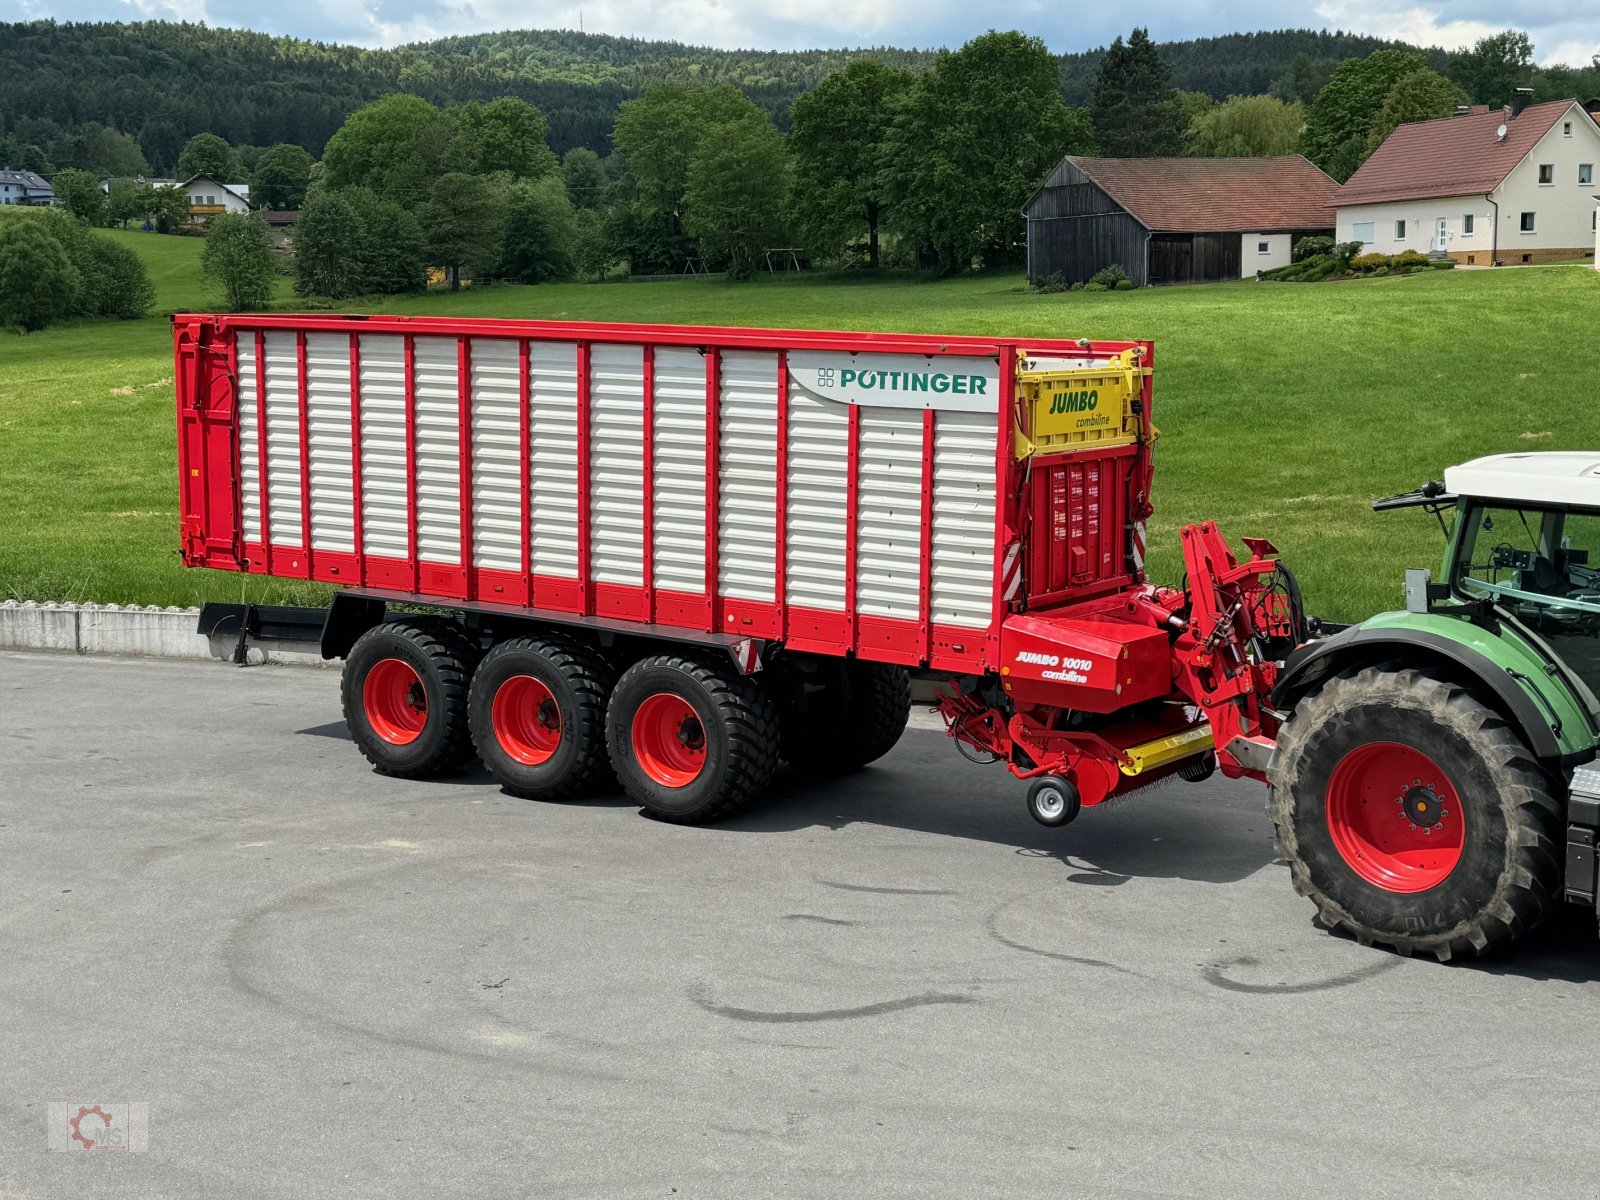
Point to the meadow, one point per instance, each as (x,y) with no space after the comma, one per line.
(1284,409)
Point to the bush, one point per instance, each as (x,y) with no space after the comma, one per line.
(1310,270)
(1308,247)
(1110,277)
(1094,285)
(1344,252)
(1369,262)
(1052,283)
(116,283)
(1443,264)
(239,261)
(1409,258)
(38,283)
(1122,285)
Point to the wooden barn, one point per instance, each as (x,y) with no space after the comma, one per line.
(1175,220)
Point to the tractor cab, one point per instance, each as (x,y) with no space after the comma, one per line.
(1526,541)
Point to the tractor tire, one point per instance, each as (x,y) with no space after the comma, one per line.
(404,691)
(1414,817)
(853,718)
(690,738)
(537,711)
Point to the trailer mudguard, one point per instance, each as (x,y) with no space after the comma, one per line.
(1361,645)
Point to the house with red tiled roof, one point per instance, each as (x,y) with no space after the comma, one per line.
(1511,185)
(1174,220)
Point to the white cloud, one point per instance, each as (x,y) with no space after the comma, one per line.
(1575,54)
(1419,26)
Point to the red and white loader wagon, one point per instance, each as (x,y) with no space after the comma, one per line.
(692,552)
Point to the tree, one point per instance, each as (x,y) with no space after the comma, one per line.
(1493,70)
(104,151)
(978,133)
(1339,119)
(585,177)
(541,232)
(282,175)
(462,224)
(1135,114)
(660,131)
(838,139)
(1247,127)
(207,154)
(126,201)
(506,135)
(168,207)
(395,146)
(738,189)
(388,251)
(329,243)
(80,192)
(238,260)
(162,143)
(38,283)
(1420,96)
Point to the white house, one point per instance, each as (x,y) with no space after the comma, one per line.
(207,197)
(24,187)
(1513,185)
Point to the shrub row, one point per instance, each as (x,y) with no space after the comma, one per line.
(53,268)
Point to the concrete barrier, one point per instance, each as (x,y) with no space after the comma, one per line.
(134,629)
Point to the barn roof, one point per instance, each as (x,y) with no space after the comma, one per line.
(1452,156)
(1214,195)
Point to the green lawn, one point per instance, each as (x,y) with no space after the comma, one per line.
(1284,409)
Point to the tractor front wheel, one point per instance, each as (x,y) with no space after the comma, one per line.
(1413,816)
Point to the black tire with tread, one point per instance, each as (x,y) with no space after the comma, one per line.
(1510,873)
(741,729)
(855,720)
(444,658)
(580,680)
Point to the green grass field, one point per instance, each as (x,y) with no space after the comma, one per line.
(1284,409)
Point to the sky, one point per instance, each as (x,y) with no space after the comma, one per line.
(1558,28)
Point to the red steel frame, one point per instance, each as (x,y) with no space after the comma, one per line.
(208,442)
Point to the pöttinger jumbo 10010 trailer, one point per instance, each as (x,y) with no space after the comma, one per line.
(691,552)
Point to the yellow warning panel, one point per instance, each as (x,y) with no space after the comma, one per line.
(1079,407)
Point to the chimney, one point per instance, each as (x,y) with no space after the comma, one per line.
(1524,97)
(1462,110)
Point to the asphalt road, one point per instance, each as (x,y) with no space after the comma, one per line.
(326,983)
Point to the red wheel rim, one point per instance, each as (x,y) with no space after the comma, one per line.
(395,701)
(1395,817)
(669,741)
(526,720)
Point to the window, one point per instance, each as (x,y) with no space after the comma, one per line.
(1263,247)
(1566,129)
(1399,231)
(1547,173)
(1585,174)
(1466,224)
(1361,231)
(1529,222)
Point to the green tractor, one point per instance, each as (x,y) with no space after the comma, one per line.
(1431,788)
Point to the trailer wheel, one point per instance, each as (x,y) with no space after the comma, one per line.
(537,710)
(852,715)
(1413,816)
(690,739)
(405,696)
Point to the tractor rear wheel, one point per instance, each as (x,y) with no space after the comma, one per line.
(1413,816)
(404,690)
(844,715)
(537,709)
(690,738)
